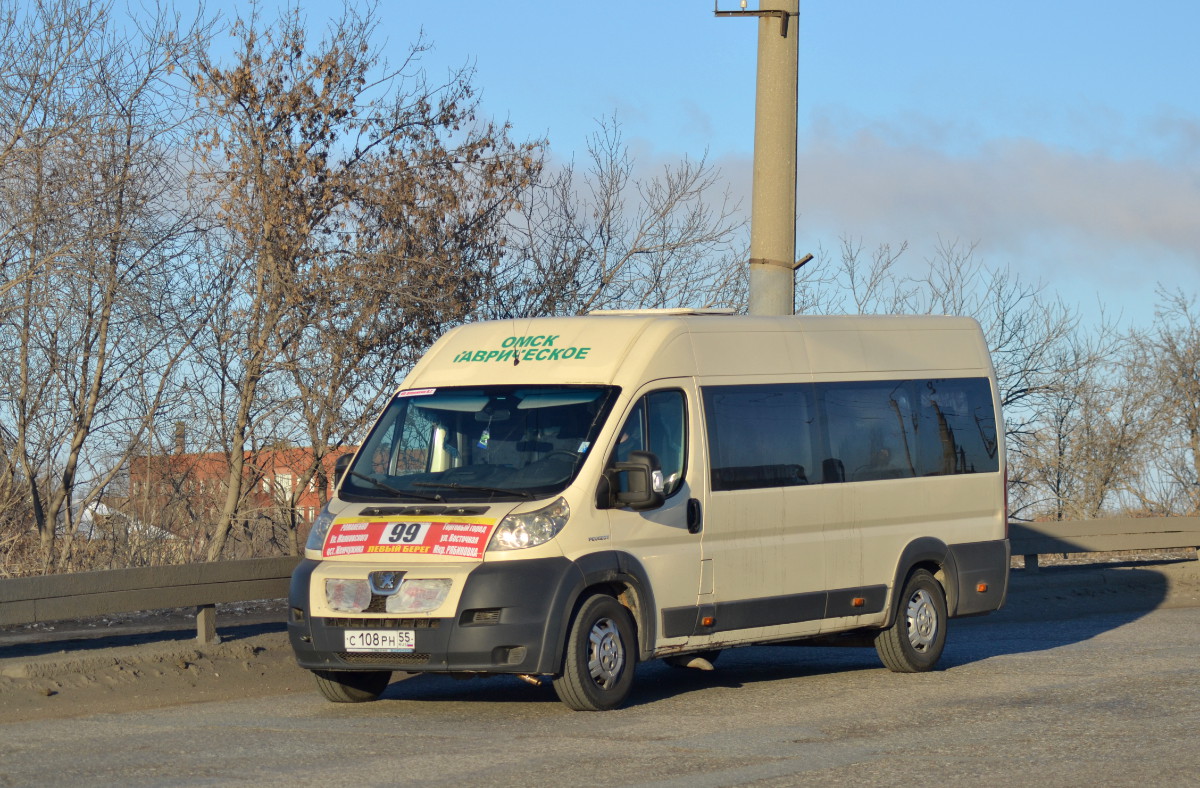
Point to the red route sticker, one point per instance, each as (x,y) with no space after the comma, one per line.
(398,537)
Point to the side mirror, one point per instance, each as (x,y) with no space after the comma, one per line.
(340,465)
(644,481)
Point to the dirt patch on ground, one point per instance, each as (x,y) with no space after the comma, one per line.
(147,676)
(151,660)
(143,661)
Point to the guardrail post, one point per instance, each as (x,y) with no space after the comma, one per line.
(206,624)
(1031,563)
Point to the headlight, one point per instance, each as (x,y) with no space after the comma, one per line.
(320,529)
(531,529)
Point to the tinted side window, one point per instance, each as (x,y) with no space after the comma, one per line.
(958,427)
(759,436)
(871,429)
(788,434)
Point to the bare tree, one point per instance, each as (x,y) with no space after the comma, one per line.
(1165,362)
(1088,450)
(90,253)
(608,238)
(852,285)
(356,205)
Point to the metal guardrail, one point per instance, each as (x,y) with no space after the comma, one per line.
(1115,534)
(30,600)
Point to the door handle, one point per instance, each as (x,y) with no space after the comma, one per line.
(694,520)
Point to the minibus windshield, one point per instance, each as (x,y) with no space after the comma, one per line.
(478,443)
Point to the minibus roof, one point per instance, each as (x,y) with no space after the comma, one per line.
(630,347)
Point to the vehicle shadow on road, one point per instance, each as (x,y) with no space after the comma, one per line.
(1055,607)
(654,680)
(1058,606)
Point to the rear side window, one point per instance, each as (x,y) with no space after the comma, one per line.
(958,427)
(781,435)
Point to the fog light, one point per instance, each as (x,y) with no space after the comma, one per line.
(347,596)
(419,596)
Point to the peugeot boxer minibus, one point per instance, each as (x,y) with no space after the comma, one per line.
(563,498)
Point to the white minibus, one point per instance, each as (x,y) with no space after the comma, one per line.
(563,498)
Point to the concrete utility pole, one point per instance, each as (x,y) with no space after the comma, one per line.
(773,204)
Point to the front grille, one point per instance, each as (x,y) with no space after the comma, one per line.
(384,623)
(371,658)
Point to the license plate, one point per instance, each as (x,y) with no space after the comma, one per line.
(380,640)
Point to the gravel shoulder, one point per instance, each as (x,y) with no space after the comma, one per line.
(153,660)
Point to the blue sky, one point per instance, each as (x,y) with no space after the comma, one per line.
(1063,137)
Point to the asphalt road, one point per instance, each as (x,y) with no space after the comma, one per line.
(1046,692)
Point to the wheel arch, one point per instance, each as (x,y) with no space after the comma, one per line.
(933,555)
(617,574)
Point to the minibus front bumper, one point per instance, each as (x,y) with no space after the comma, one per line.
(508,621)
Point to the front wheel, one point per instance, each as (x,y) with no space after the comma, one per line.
(914,641)
(601,654)
(352,686)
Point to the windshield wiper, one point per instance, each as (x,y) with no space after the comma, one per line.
(396,491)
(473,488)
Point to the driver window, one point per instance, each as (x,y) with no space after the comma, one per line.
(658,423)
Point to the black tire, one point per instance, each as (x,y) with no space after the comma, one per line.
(352,686)
(914,641)
(600,657)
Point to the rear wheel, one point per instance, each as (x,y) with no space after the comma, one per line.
(914,641)
(600,658)
(352,686)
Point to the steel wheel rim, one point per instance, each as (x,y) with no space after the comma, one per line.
(606,653)
(922,620)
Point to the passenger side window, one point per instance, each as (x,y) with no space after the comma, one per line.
(759,436)
(872,429)
(658,423)
(787,434)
